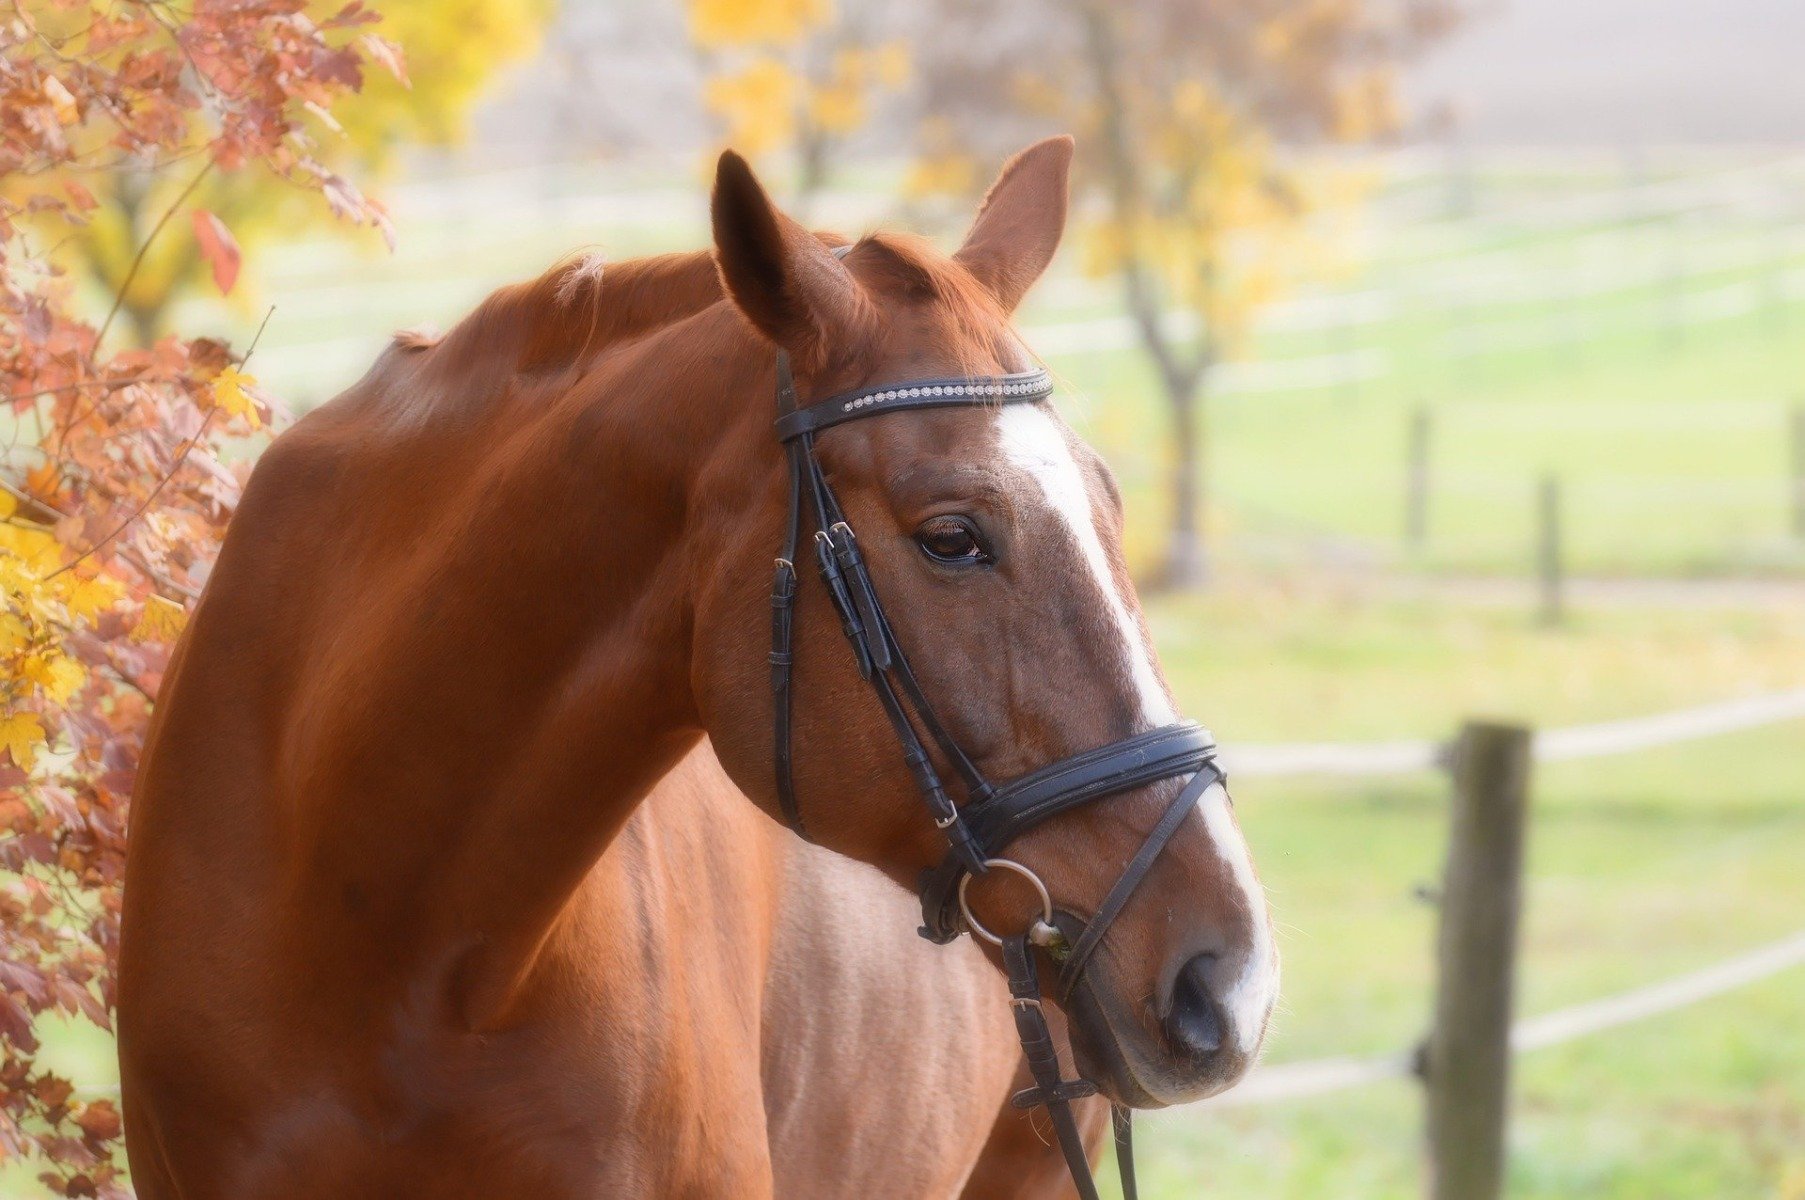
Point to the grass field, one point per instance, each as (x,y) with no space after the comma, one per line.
(1639,868)
(1641,342)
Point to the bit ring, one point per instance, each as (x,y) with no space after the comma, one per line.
(977,927)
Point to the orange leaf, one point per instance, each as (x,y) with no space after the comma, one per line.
(100,1120)
(83,198)
(219,248)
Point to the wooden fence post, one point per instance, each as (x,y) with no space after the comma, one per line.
(1798,469)
(1549,551)
(1416,482)
(1467,1066)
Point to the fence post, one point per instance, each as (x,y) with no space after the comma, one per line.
(1798,469)
(1549,551)
(1416,484)
(1467,1067)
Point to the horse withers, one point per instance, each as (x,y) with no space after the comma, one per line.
(381,933)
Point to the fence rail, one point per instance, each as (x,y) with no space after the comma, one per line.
(1323,1076)
(1354,759)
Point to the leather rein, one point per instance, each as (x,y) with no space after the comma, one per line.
(993,815)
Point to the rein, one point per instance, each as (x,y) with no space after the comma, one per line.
(992,816)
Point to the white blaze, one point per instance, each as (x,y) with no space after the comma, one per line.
(1033,441)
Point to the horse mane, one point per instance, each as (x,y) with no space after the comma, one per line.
(584,305)
(550,330)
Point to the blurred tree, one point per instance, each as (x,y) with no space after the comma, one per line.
(454,47)
(1189,117)
(795,75)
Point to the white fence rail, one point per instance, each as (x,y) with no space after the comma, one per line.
(1319,1077)
(1551,745)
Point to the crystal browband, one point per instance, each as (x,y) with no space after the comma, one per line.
(930,393)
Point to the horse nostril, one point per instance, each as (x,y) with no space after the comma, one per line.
(1195,1023)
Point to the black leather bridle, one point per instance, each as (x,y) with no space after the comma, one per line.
(992,815)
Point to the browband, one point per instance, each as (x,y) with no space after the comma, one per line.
(1021,387)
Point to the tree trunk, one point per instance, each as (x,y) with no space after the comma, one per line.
(1187,560)
(811,176)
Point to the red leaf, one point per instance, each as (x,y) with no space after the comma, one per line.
(100,1120)
(219,248)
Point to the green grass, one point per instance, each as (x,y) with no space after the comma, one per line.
(1651,364)
(1293,661)
(1638,869)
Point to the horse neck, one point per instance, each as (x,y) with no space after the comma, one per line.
(521,673)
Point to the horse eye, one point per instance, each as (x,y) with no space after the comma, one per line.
(952,540)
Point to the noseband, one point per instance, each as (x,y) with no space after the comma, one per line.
(993,815)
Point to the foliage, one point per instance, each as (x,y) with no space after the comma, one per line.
(793,74)
(455,47)
(116,473)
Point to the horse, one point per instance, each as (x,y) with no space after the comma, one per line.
(399,917)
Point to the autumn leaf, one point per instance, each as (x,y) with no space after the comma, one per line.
(231,392)
(80,196)
(62,678)
(15,635)
(219,248)
(388,54)
(61,102)
(20,736)
(161,621)
(99,1120)
(88,598)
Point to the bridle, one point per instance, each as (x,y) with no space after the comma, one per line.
(993,815)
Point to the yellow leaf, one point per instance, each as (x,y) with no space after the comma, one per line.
(20,736)
(758,103)
(890,63)
(161,621)
(15,635)
(64,678)
(230,393)
(837,108)
(8,505)
(88,598)
(950,174)
(716,23)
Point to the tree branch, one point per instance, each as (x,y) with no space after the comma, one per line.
(138,259)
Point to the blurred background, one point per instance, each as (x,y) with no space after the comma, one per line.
(1450,358)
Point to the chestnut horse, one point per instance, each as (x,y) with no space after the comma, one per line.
(400,918)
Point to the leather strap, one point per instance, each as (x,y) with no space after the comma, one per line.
(1049,1090)
(1034,798)
(1132,875)
(1121,1122)
(955,392)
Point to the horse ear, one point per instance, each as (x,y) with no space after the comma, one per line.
(1020,222)
(789,285)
